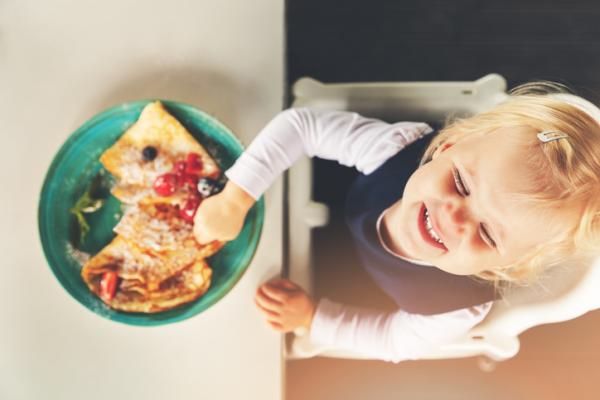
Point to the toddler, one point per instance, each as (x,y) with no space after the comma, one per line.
(441,219)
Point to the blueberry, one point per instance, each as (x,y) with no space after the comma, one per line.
(149,153)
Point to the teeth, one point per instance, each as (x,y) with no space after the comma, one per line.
(430,230)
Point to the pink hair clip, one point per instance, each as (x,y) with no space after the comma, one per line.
(548,136)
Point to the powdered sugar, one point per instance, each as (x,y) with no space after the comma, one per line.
(79,256)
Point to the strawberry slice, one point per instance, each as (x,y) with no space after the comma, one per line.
(108,285)
(189,208)
(166,184)
(179,167)
(193,164)
(189,181)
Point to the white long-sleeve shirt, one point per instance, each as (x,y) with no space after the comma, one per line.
(366,144)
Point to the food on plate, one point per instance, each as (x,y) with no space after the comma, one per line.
(161,232)
(157,160)
(121,275)
(162,174)
(89,202)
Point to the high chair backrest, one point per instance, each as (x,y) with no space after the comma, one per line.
(566,291)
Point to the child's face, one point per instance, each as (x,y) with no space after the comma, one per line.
(491,167)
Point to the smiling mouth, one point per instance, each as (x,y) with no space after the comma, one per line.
(426,230)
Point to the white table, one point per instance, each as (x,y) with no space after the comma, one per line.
(61,62)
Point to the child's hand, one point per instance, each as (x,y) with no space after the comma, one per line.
(285,305)
(221,217)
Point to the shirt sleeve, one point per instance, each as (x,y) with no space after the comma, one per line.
(349,138)
(394,336)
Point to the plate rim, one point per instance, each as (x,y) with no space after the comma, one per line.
(143,319)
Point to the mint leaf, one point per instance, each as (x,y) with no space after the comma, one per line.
(86,204)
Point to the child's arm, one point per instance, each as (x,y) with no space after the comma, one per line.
(395,336)
(347,137)
(389,336)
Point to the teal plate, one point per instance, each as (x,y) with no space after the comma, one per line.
(77,164)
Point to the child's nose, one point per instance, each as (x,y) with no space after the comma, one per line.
(457,217)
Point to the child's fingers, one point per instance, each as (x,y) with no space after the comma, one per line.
(274,293)
(283,283)
(275,325)
(261,292)
(264,301)
(271,315)
(289,284)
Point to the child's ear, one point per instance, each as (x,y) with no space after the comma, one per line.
(440,149)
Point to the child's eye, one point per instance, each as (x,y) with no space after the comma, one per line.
(486,237)
(460,188)
(458,182)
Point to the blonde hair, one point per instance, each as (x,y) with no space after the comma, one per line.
(563,173)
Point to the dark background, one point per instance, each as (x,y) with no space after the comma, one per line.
(378,40)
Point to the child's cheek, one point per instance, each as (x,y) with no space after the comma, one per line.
(429,182)
(469,257)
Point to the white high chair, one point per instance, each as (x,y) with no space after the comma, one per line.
(566,292)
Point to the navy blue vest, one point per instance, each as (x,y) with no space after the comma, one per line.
(415,288)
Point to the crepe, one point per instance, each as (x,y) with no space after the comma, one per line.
(154,263)
(157,230)
(132,265)
(135,176)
